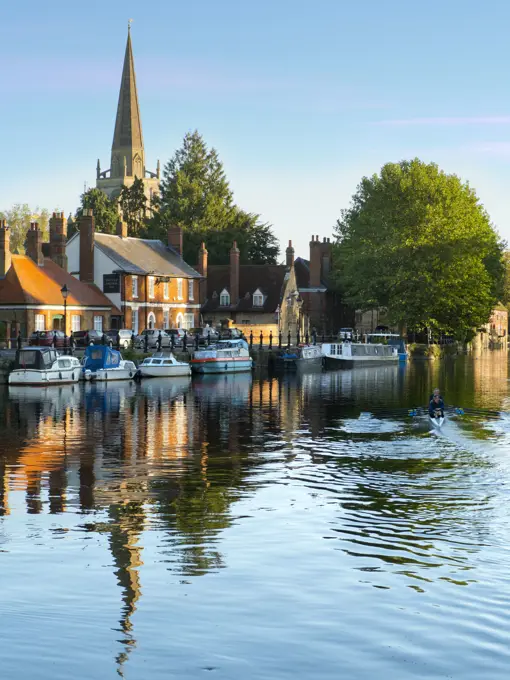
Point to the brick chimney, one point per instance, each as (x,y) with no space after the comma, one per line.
(175,239)
(58,239)
(202,269)
(325,258)
(122,229)
(315,262)
(34,244)
(289,255)
(87,228)
(234,274)
(5,248)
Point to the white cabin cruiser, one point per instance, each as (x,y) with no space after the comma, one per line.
(225,356)
(104,363)
(43,366)
(350,354)
(163,365)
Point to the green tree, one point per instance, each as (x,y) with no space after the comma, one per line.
(195,195)
(418,241)
(105,210)
(133,204)
(18,218)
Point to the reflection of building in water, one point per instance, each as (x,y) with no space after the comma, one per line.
(490,378)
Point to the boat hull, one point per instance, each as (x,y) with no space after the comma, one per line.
(164,371)
(338,362)
(124,372)
(44,378)
(227,365)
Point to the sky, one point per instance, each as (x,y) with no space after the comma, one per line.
(300,99)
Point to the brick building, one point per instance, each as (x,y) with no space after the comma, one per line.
(145,279)
(30,287)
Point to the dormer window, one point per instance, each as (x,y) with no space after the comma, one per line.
(258,298)
(224,298)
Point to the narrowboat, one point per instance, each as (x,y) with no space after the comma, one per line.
(163,365)
(303,357)
(225,356)
(42,366)
(353,354)
(104,363)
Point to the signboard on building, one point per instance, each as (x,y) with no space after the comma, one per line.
(111,283)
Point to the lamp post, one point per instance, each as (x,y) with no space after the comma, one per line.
(65,292)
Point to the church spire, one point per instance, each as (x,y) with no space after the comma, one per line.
(127,138)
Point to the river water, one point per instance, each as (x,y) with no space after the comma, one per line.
(256,527)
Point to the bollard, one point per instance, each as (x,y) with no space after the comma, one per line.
(118,340)
(270,339)
(298,337)
(132,339)
(185,341)
(280,340)
(251,339)
(288,340)
(261,339)
(307,338)
(197,342)
(172,342)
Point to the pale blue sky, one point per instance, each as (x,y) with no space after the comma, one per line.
(301,99)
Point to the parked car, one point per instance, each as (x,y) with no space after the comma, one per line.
(178,335)
(231,334)
(152,335)
(204,334)
(125,337)
(85,338)
(46,339)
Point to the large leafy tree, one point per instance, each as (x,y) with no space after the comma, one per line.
(133,204)
(195,195)
(105,210)
(418,242)
(18,218)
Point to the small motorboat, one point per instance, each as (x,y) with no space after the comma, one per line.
(225,356)
(303,357)
(42,366)
(101,362)
(163,365)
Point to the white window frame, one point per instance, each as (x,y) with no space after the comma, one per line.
(151,319)
(224,298)
(179,320)
(134,321)
(40,322)
(179,289)
(191,290)
(134,286)
(189,320)
(98,323)
(75,323)
(166,318)
(166,289)
(151,282)
(258,298)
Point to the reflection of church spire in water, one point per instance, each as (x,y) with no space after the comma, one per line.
(125,529)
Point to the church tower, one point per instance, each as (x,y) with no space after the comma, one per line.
(128,154)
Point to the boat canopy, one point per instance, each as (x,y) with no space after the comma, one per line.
(101,356)
(36,358)
(225,344)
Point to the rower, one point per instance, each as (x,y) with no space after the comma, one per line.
(436,404)
(436,391)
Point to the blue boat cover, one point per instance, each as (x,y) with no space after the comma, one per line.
(101,356)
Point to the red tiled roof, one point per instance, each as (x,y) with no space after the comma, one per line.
(28,284)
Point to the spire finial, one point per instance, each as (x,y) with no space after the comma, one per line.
(130,21)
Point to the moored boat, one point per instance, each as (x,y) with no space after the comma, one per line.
(350,354)
(163,365)
(303,357)
(104,363)
(225,356)
(42,366)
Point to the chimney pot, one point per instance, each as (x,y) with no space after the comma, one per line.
(5,249)
(87,228)
(175,239)
(234,274)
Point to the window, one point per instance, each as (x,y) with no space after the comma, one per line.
(224,298)
(188,321)
(75,322)
(39,322)
(191,289)
(98,324)
(150,281)
(166,319)
(151,320)
(258,299)
(179,320)
(179,289)
(134,286)
(166,290)
(134,321)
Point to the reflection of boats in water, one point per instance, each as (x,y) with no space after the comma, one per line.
(164,388)
(55,396)
(234,388)
(108,396)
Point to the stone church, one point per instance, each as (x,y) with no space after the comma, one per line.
(128,154)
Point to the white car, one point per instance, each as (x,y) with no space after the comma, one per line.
(152,335)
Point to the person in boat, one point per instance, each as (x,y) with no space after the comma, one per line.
(435,391)
(436,404)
